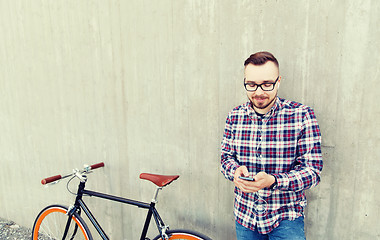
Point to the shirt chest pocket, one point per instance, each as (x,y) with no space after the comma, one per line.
(281,145)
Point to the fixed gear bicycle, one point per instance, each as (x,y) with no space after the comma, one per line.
(61,222)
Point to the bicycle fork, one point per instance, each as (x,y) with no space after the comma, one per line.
(70,214)
(74,209)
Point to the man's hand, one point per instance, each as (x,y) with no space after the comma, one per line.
(262,180)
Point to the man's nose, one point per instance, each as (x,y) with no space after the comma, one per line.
(259,91)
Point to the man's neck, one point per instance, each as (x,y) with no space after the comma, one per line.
(260,114)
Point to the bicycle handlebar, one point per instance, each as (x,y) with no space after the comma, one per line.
(58,177)
(97,165)
(50,179)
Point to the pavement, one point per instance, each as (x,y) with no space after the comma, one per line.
(10,230)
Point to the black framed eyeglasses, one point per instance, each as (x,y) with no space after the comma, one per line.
(267,86)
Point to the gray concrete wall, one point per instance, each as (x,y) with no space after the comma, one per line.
(145,86)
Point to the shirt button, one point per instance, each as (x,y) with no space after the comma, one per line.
(260,208)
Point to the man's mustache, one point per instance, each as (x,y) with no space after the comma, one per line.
(260,97)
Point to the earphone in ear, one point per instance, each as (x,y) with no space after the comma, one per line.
(278,85)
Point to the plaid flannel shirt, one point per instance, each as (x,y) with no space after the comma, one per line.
(285,142)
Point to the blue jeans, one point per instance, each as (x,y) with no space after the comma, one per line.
(289,230)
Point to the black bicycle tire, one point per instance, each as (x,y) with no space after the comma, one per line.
(194,234)
(76,216)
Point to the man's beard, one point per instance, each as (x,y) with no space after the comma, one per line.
(261,106)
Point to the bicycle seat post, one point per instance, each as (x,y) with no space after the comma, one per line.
(154,200)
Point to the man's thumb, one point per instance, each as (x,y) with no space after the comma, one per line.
(245,171)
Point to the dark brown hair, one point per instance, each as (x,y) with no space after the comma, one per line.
(261,58)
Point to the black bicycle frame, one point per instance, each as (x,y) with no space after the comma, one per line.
(79,204)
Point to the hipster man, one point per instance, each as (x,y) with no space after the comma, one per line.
(276,144)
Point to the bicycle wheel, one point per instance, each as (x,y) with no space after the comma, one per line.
(51,221)
(179,234)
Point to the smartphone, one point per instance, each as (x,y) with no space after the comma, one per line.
(247,178)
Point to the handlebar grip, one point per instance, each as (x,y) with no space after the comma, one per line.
(50,179)
(97,165)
